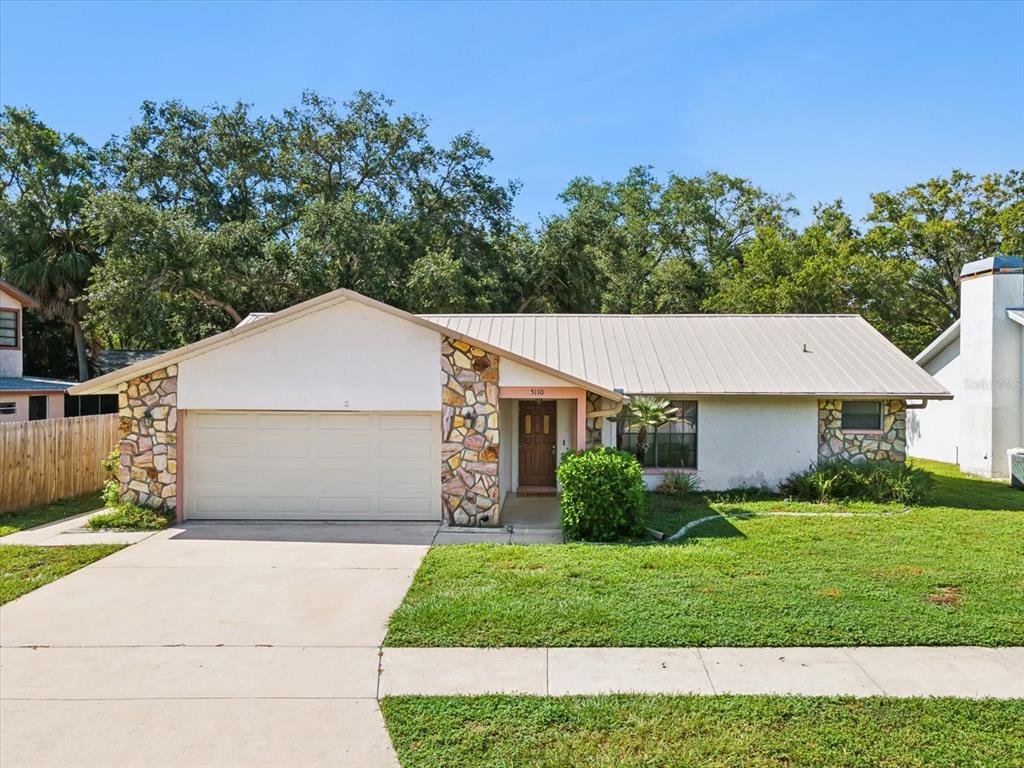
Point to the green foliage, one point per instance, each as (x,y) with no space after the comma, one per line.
(131,517)
(877,481)
(46,181)
(23,519)
(112,485)
(603,495)
(723,731)
(217,212)
(680,483)
(24,568)
(746,579)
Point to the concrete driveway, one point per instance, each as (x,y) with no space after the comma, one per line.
(209,645)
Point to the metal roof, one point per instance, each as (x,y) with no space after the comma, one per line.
(993,264)
(33,384)
(827,355)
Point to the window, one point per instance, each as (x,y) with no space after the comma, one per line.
(36,407)
(6,409)
(670,446)
(9,328)
(862,415)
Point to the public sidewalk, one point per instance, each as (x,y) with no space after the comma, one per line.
(73,530)
(966,672)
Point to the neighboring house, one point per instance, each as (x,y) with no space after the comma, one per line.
(23,398)
(346,408)
(980,359)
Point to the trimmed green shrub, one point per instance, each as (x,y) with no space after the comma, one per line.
(603,495)
(131,517)
(879,481)
(680,483)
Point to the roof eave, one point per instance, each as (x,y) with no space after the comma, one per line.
(23,298)
(108,382)
(938,344)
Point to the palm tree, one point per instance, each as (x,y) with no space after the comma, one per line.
(649,413)
(46,179)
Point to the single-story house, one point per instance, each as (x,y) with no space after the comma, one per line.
(23,398)
(345,408)
(980,360)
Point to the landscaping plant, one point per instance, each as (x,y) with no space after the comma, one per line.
(603,495)
(878,481)
(648,413)
(132,517)
(680,483)
(112,485)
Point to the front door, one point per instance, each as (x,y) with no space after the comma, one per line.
(537,443)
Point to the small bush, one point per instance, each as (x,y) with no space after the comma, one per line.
(879,481)
(680,483)
(112,485)
(131,517)
(603,495)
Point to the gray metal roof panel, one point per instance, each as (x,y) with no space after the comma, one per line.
(709,354)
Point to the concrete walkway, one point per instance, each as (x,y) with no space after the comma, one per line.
(965,672)
(73,531)
(251,646)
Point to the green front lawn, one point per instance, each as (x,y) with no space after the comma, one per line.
(947,573)
(726,731)
(19,520)
(24,568)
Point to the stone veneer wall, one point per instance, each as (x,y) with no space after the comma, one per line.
(594,426)
(469,427)
(834,443)
(149,452)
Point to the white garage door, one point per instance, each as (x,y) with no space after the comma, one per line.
(267,465)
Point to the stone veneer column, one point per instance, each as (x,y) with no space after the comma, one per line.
(469,434)
(834,443)
(595,426)
(149,452)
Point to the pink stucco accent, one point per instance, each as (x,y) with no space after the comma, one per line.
(555,393)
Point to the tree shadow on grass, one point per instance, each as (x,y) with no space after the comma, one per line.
(669,514)
(965,492)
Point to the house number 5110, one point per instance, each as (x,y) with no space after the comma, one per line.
(537,392)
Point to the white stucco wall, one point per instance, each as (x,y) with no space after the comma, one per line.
(933,432)
(348,357)
(991,360)
(513,374)
(751,441)
(11,359)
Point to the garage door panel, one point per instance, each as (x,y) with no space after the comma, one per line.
(224,420)
(297,421)
(328,466)
(406,421)
(346,421)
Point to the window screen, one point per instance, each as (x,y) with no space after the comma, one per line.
(862,414)
(8,328)
(670,446)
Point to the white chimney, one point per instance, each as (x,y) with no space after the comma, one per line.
(991,359)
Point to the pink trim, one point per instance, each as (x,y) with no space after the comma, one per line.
(555,393)
(179,480)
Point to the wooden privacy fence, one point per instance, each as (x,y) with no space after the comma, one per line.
(42,461)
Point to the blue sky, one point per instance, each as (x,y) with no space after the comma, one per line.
(823,100)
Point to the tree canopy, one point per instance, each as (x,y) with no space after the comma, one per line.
(197,216)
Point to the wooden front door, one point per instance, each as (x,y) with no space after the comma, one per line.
(537,443)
